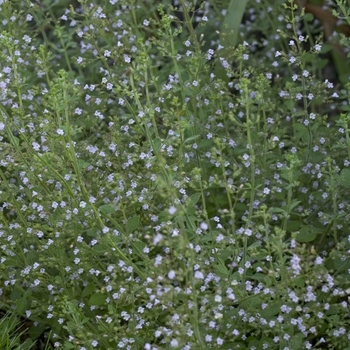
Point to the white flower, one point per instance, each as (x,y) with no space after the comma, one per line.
(172,210)
(204,226)
(199,275)
(171,274)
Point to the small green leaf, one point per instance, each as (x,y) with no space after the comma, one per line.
(157,144)
(21,305)
(37,330)
(15,294)
(82,164)
(195,198)
(344,178)
(221,269)
(277,210)
(306,234)
(308,17)
(294,204)
(91,232)
(16,140)
(341,265)
(191,138)
(89,289)
(206,238)
(272,309)
(301,132)
(99,248)
(293,226)
(107,208)
(326,48)
(97,299)
(299,282)
(133,223)
(224,255)
(139,246)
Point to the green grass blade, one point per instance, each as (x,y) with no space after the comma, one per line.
(230,29)
(233,19)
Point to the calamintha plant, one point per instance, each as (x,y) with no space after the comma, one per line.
(170,179)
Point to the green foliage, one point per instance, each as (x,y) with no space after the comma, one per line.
(172,175)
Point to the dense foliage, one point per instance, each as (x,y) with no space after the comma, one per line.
(174,174)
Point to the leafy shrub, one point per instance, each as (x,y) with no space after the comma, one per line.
(167,183)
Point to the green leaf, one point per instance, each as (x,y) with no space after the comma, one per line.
(191,138)
(97,299)
(277,210)
(306,234)
(89,289)
(15,294)
(299,282)
(224,255)
(82,164)
(221,269)
(341,264)
(195,198)
(294,204)
(21,305)
(253,302)
(326,48)
(107,208)
(204,238)
(99,248)
(301,132)
(133,223)
(157,143)
(341,65)
(308,17)
(36,331)
(344,178)
(139,246)
(16,140)
(204,144)
(293,226)
(91,232)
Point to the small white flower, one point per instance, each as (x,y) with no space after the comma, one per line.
(171,274)
(199,275)
(218,298)
(204,226)
(172,210)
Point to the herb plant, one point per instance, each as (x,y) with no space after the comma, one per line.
(172,178)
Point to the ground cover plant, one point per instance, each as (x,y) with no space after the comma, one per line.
(174,175)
